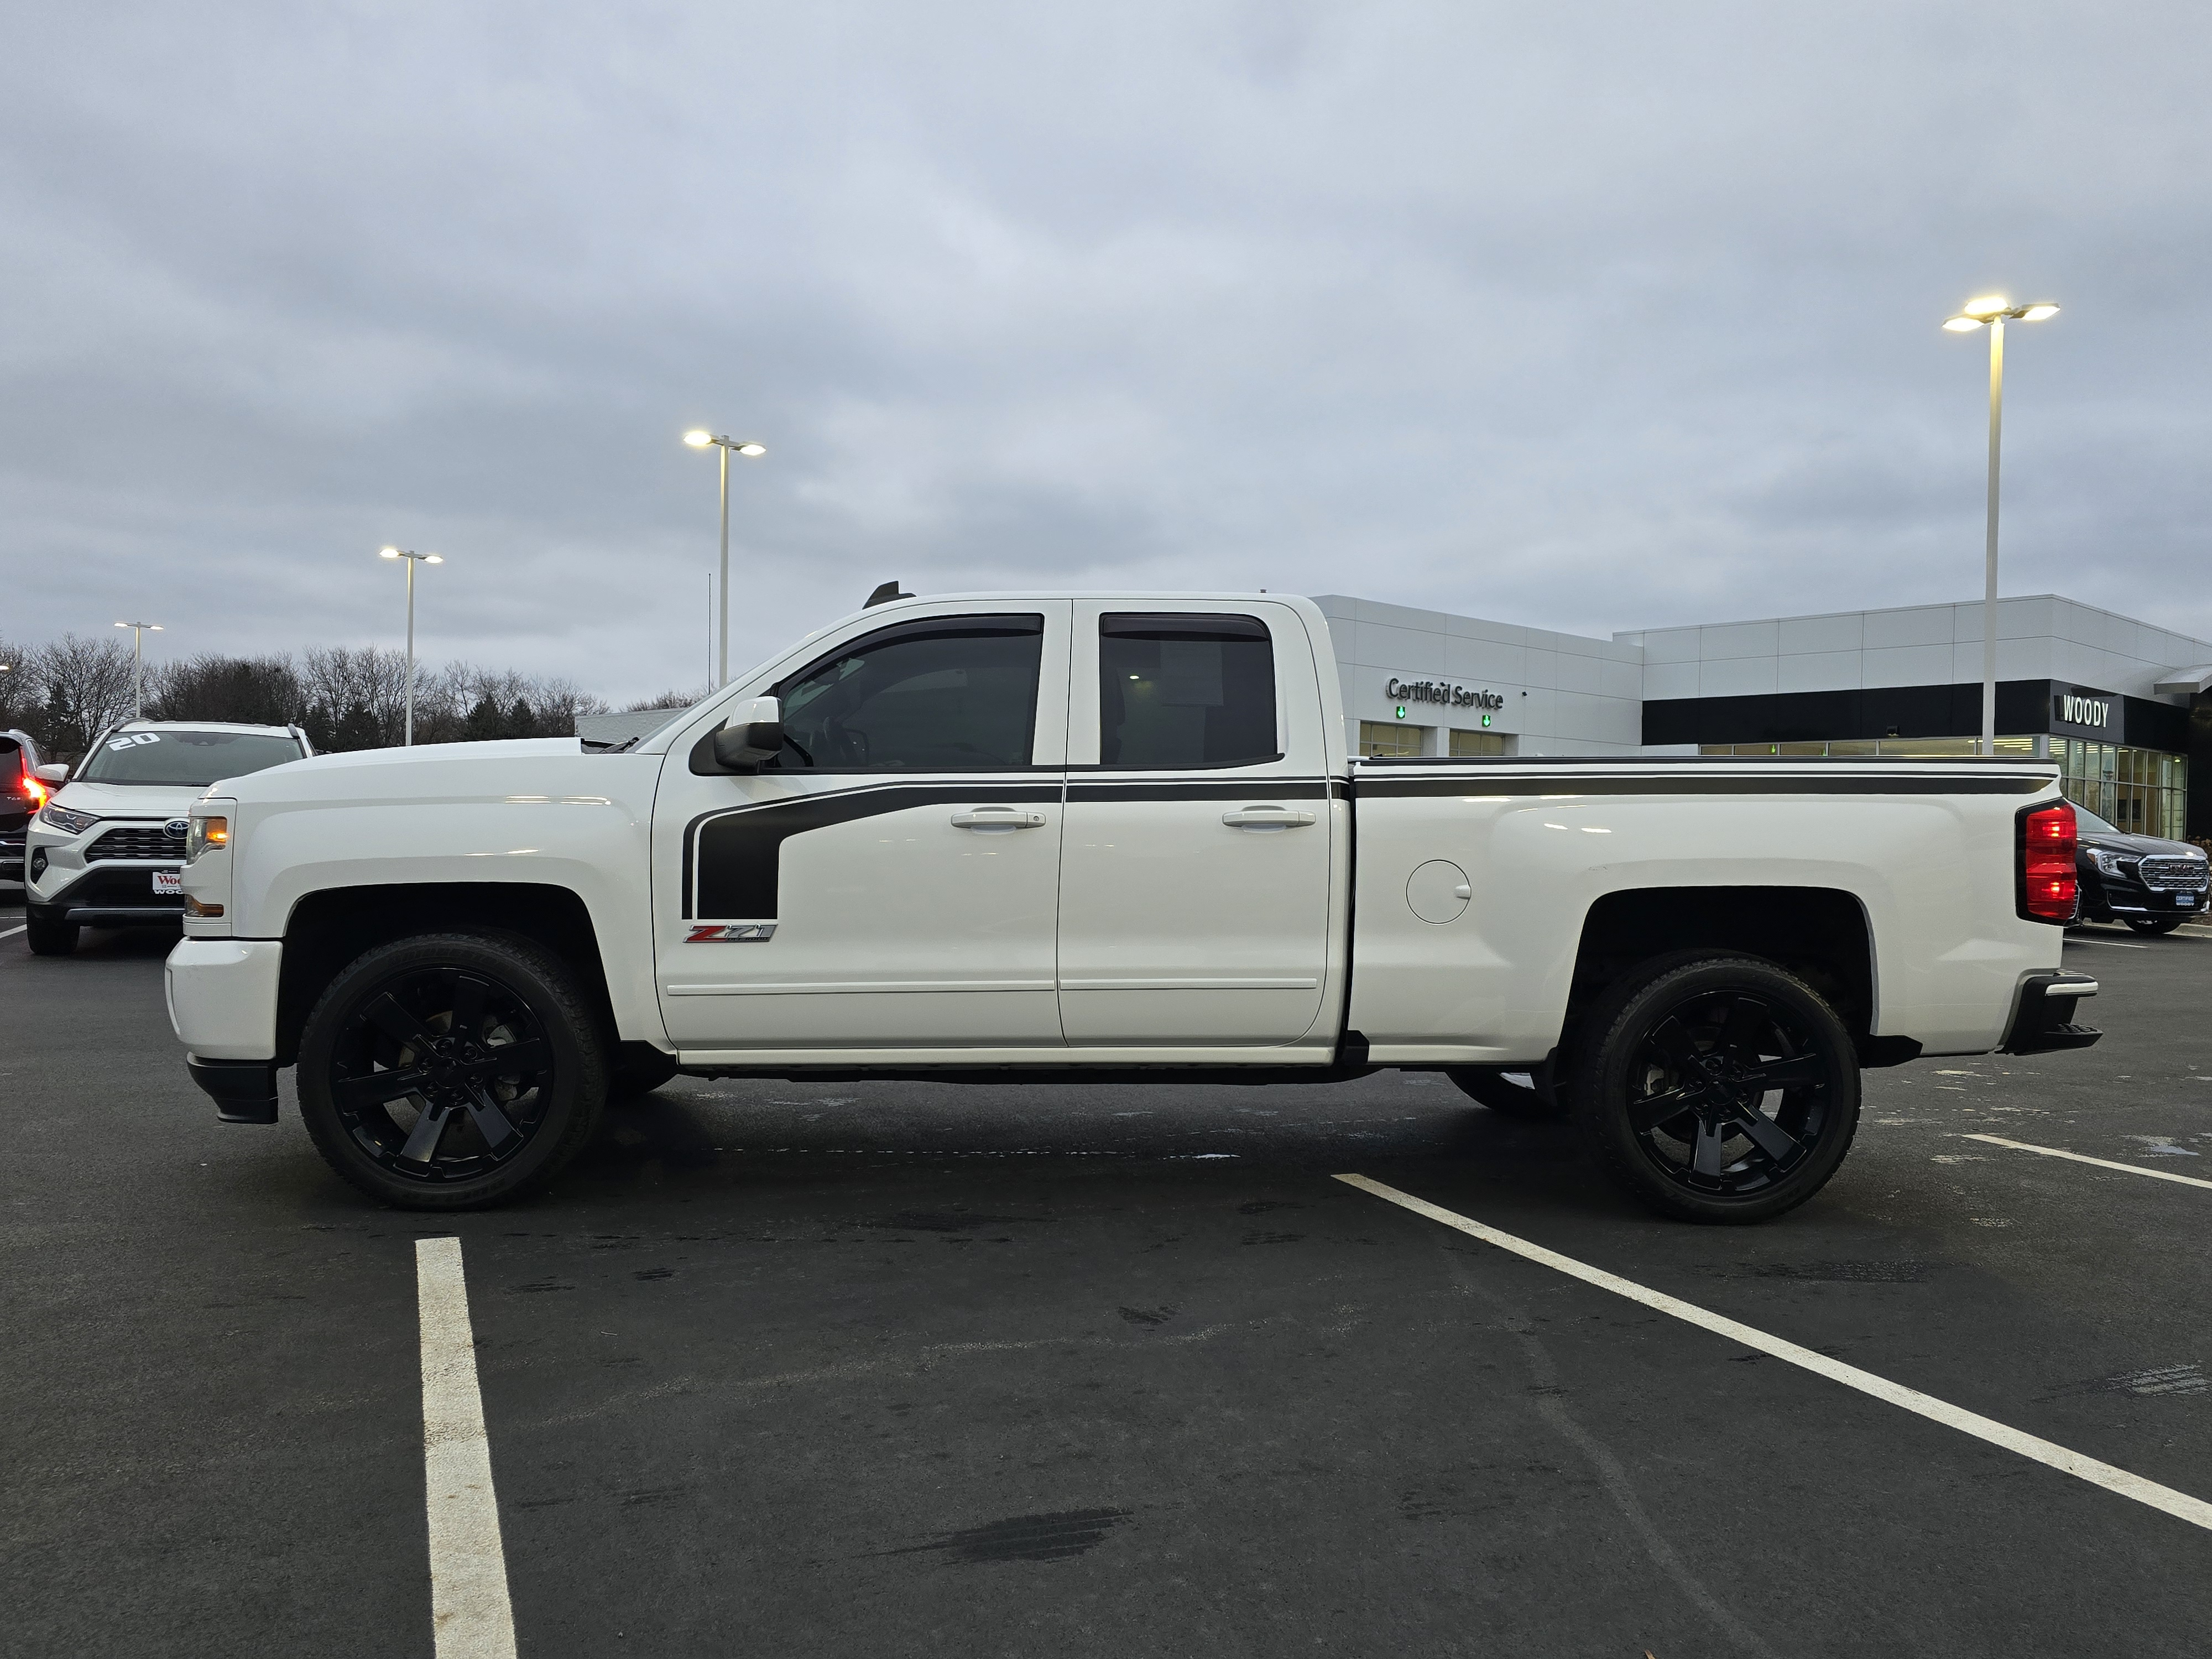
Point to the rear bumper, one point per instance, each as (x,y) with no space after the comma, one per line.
(2043,1020)
(244,1090)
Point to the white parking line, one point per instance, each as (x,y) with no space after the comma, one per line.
(2110,944)
(2083,1157)
(471,1617)
(2179,1504)
(12,932)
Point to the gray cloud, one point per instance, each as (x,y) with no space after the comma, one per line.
(1595,318)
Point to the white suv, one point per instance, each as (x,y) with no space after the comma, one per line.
(107,849)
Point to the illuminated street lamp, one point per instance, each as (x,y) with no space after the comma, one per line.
(138,633)
(699,438)
(413,559)
(1993,312)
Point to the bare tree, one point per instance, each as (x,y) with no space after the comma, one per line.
(85,684)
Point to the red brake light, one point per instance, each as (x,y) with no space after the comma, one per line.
(2047,881)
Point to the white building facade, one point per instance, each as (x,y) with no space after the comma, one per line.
(2121,704)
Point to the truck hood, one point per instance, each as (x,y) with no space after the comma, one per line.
(507,769)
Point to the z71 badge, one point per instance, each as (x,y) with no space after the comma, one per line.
(736,933)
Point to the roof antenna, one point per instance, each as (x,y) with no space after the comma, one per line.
(884,595)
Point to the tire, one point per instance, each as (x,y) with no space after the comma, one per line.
(638,1068)
(1489,1085)
(49,939)
(2154,924)
(1700,1034)
(415,1116)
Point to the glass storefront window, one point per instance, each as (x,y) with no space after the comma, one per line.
(2142,790)
(1385,737)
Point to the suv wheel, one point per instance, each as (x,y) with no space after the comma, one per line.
(49,939)
(1716,1088)
(2154,924)
(452,1071)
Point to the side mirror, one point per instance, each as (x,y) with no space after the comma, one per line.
(56,774)
(751,736)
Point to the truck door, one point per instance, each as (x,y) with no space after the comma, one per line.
(1194,867)
(890,880)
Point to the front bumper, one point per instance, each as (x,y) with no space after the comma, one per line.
(222,997)
(111,895)
(244,1090)
(2107,898)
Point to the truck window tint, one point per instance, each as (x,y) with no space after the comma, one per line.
(954,694)
(1185,691)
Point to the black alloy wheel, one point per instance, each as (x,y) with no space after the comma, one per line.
(452,1071)
(1718,1088)
(2155,924)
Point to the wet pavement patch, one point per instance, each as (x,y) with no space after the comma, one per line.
(2156,1379)
(1826,1273)
(1024,1538)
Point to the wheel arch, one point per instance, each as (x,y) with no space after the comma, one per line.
(330,928)
(1822,935)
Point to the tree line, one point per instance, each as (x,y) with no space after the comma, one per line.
(64,692)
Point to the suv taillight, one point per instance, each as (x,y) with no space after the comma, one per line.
(2047,881)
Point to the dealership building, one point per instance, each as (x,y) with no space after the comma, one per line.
(2121,704)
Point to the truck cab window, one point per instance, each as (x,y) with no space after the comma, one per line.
(1185,691)
(950,693)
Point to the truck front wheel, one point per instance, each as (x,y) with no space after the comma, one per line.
(1716,1088)
(452,1071)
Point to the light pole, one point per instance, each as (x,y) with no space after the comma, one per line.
(1993,311)
(413,559)
(138,633)
(699,438)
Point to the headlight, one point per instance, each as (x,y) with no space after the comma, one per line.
(204,834)
(69,823)
(2109,863)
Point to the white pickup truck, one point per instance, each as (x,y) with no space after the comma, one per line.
(1116,836)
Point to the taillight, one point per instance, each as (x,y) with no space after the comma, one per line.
(2047,881)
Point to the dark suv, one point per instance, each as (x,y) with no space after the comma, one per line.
(21,795)
(2151,884)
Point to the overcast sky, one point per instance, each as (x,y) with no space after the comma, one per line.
(1592,318)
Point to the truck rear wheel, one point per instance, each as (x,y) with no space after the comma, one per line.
(1716,1088)
(452,1071)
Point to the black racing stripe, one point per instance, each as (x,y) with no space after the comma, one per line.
(1193,789)
(1902,783)
(737,851)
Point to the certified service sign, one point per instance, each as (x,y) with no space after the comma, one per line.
(1449,694)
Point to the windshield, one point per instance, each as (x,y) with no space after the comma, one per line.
(185,758)
(2085,819)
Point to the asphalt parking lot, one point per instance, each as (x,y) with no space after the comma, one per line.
(787,1370)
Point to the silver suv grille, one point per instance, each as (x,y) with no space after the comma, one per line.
(2189,875)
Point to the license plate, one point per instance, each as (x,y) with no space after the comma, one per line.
(169,881)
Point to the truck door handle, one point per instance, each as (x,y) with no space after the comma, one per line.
(998,820)
(1267,817)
